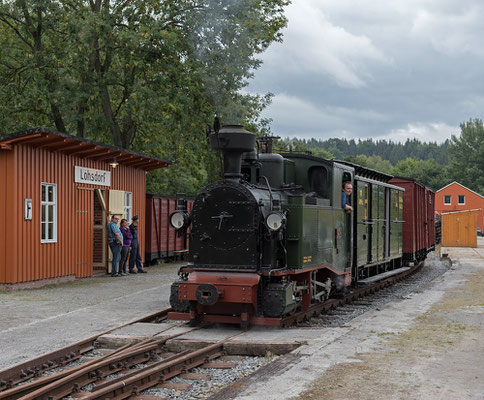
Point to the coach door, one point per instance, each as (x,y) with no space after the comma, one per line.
(377,222)
(363,225)
(396,209)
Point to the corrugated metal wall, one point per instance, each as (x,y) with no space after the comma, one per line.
(24,258)
(3,208)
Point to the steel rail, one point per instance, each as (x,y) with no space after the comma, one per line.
(135,354)
(153,375)
(21,390)
(35,367)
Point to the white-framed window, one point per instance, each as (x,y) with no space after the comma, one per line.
(447,200)
(48,213)
(461,199)
(128,205)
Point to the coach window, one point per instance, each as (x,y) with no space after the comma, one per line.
(447,201)
(128,205)
(48,213)
(461,200)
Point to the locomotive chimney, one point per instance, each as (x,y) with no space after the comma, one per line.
(232,141)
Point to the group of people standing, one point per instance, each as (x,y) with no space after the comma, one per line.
(124,244)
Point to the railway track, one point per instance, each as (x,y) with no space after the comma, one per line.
(129,370)
(124,373)
(58,358)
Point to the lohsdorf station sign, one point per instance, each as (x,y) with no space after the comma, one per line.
(92,176)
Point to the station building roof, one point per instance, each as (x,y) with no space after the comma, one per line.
(80,147)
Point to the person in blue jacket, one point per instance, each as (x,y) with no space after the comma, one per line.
(345,197)
(135,256)
(115,240)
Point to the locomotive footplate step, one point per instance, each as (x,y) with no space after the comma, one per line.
(384,275)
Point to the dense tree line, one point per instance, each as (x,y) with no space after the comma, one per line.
(146,75)
(387,150)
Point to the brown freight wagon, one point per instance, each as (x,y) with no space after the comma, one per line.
(56,192)
(419,218)
(162,242)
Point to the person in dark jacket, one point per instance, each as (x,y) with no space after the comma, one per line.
(127,238)
(135,256)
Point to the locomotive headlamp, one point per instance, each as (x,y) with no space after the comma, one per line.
(179,220)
(275,221)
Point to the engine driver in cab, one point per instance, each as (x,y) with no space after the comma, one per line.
(345,197)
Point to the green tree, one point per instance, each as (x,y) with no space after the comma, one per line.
(372,162)
(322,153)
(141,74)
(428,172)
(466,164)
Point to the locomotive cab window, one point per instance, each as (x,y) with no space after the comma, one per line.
(347,178)
(319,182)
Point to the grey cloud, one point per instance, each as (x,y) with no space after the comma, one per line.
(375,69)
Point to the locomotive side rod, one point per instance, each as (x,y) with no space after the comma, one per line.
(332,303)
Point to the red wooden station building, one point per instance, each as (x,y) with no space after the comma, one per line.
(56,193)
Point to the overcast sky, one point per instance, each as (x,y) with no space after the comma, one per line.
(382,69)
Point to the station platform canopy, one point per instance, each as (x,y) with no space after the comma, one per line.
(81,147)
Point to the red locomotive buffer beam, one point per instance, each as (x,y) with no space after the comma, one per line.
(221,298)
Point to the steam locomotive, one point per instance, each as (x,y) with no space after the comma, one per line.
(272,238)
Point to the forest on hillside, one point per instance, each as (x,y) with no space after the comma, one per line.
(387,150)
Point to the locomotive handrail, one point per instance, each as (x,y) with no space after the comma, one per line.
(268,188)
